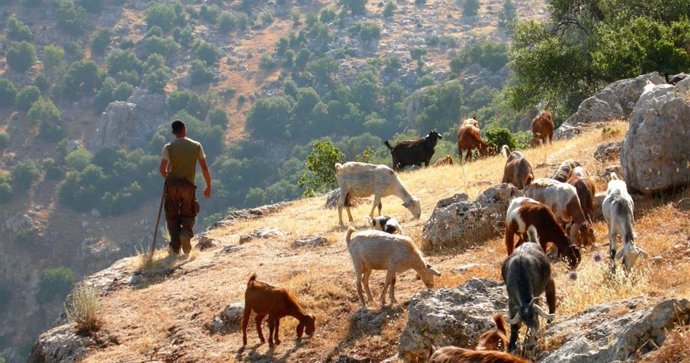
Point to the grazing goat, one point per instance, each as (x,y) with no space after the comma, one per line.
(527,274)
(584,185)
(470,139)
(618,208)
(414,152)
(362,180)
(517,170)
(472,121)
(386,224)
(564,170)
(564,203)
(496,338)
(542,128)
(446,160)
(452,354)
(524,213)
(276,302)
(376,250)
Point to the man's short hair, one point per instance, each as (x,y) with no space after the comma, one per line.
(177,126)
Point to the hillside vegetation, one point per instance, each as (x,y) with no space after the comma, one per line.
(166,316)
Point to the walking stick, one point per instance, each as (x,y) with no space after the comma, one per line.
(158,220)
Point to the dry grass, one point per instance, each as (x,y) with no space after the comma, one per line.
(164,320)
(85,310)
(675,349)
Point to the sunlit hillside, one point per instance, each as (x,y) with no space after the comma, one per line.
(165,317)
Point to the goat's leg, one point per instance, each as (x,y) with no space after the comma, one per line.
(377,202)
(612,248)
(392,291)
(514,330)
(358,282)
(390,275)
(245,322)
(380,207)
(510,241)
(367,274)
(276,339)
(349,215)
(259,318)
(271,329)
(551,296)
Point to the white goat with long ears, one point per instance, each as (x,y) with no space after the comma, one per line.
(378,250)
(618,209)
(362,180)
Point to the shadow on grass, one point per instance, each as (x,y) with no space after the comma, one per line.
(270,355)
(155,269)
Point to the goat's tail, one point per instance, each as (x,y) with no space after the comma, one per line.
(532,233)
(388,145)
(500,323)
(505,151)
(348,236)
(338,167)
(251,279)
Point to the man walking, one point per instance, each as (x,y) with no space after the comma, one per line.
(178,167)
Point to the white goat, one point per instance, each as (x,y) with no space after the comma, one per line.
(377,250)
(618,209)
(362,180)
(386,224)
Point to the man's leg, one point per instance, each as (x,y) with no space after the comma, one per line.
(172,215)
(189,208)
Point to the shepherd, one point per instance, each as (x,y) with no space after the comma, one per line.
(178,167)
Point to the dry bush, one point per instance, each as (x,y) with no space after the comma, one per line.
(84,309)
(676,347)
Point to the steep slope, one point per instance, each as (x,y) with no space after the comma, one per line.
(165,316)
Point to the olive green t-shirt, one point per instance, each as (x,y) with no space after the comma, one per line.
(182,154)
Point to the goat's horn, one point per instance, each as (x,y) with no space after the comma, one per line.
(514,320)
(543,313)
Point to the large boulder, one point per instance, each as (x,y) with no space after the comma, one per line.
(615,101)
(130,123)
(617,331)
(60,344)
(457,222)
(455,316)
(654,156)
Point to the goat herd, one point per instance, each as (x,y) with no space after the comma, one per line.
(556,210)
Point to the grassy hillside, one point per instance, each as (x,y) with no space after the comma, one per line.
(164,318)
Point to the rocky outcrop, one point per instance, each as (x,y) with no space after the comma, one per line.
(654,156)
(608,152)
(458,222)
(455,316)
(615,101)
(263,232)
(617,331)
(249,214)
(130,123)
(227,320)
(60,344)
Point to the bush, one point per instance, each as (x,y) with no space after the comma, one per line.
(269,117)
(470,7)
(355,7)
(74,51)
(43,111)
(156,81)
(78,159)
(4,139)
(84,309)
(5,192)
(207,52)
(499,137)
(83,78)
(184,37)
(51,168)
(100,40)
(216,116)
(71,18)
(53,56)
(227,22)
(41,81)
(158,45)
(21,56)
(8,92)
(488,54)
(199,73)
(54,282)
(123,91)
(23,174)
(267,62)
(320,176)
(16,30)
(389,9)
(161,15)
(121,60)
(92,6)
(26,97)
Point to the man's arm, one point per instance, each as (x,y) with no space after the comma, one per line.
(163,168)
(207,177)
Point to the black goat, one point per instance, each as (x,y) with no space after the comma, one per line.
(527,274)
(414,152)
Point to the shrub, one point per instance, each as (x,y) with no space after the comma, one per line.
(54,282)
(51,168)
(43,110)
(23,174)
(199,73)
(16,30)
(71,18)
(26,237)
(156,80)
(207,52)
(21,56)
(267,62)
(327,15)
(8,92)
(470,7)
(74,51)
(92,6)
(53,56)
(5,192)
(78,159)
(227,22)
(320,174)
(161,15)
(84,309)
(216,116)
(158,45)
(83,78)
(100,40)
(4,139)
(41,81)
(184,37)
(26,97)
(121,60)
(490,55)
(499,137)
(123,91)
(389,9)
(355,7)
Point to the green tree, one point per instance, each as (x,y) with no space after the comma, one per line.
(4,139)
(18,31)
(100,40)
(269,117)
(470,7)
(442,106)
(53,56)
(5,191)
(508,15)
(389,9)
(156,81)
(70,17)
(54,283)
(7,92)
(21,56)
(488,54)
(199,73)
(207,52)
(120,60)
(26,97)
(356,7)
(83,78)
(161,15)
(320,165)
(92,6)
(23,174)
(43,110)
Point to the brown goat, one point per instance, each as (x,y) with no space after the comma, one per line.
(496,338)
(470,139)
(524,212)
(452,354)
(276,302)
(446,160)
(517,171)
(542,128)
(585,190)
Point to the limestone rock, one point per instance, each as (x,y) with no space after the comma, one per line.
(608,151)
(654,155)
(250,213)
(227,320)
(456,316)
(60,344)
(460,223)
(614,331)
(310,241)
(616,100)
(204,243)
(263,232)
